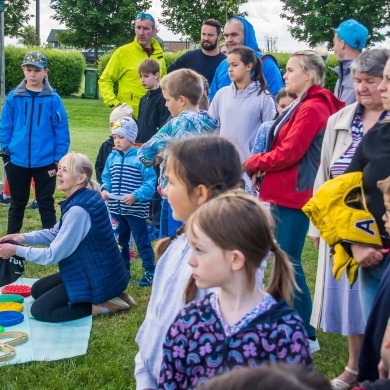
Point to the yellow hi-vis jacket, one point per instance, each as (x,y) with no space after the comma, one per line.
(339,211)
(123,68)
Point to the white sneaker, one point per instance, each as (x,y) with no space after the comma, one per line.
(314,346)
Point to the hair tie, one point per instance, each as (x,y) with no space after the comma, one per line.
(219,188)
(274,248)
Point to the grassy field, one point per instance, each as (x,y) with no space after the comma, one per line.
(109,362)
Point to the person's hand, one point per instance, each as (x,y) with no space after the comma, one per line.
(159,159)
(384,364)
(105,195)
(129,199)
(255,179)
(367,256)
(7,250)
(18,237)
(316,241)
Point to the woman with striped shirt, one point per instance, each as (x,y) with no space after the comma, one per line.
(336,307)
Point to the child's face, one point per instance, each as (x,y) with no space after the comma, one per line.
(210,264)
(238,71)
(174,106)
(182,204)
(121,143)
(34,76)
(283,103)
(386,215)
(149,80)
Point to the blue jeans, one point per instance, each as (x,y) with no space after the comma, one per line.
(128,224)
(291,229)
(168,225)
(369,279)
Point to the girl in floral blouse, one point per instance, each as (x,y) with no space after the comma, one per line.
(241,325)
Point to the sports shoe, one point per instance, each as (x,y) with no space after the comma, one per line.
(153,232)
(111,306)
(128,299)
(146,280)
(33,205)
(314,346)
(4,201)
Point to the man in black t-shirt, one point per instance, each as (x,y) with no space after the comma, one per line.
(205,60)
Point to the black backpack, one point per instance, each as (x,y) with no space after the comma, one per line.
(281,70)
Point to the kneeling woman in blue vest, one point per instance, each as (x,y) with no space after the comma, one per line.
(92,274)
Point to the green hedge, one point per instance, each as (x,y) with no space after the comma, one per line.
(282,59)
(331,62)
(169,57)
(65,68)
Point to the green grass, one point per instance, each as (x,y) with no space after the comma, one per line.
(109,362)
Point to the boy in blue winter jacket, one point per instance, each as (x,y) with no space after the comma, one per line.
(128,188)
(34,136)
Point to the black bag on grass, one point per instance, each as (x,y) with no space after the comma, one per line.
(11,269)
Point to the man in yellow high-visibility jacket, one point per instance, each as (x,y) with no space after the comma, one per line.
(123,66)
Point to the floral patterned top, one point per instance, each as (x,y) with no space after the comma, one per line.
(199,345)
(260,145)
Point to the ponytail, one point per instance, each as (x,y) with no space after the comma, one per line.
(282,282)
(190,290)
(161,245)
(259,76)
(94,185)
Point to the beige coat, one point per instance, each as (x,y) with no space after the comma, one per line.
(337,140)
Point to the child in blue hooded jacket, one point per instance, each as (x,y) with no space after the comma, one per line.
(128,187)
(34,136)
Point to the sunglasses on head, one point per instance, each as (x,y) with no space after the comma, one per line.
(142,15)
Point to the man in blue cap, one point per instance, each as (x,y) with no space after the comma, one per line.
(349,41)
(238,31)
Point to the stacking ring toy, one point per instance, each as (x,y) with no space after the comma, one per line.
(10,306)
(9,318)
(11,298)
(20,289)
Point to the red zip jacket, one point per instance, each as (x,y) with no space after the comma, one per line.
(292,161)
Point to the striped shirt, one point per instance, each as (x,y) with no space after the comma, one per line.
(123,175)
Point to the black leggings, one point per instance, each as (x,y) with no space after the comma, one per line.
(52,302)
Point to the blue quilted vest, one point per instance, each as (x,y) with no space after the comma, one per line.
(95,271)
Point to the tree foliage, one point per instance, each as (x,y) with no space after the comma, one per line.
(311,21)
(97,23)
(29,37)
(16,16)
(185,17)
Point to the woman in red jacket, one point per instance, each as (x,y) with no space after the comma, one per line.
(289,166)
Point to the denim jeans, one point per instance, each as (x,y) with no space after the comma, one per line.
(168,225)
(128,224)
(369,279)
(291,229)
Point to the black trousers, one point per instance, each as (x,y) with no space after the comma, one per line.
(52,302)
(19,180)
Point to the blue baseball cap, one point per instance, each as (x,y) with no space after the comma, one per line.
(35,58)
(352,33)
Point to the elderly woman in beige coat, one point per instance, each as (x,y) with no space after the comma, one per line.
(336,306)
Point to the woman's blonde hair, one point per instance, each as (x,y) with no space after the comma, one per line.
(236,220)
(312,64)
(78,164)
